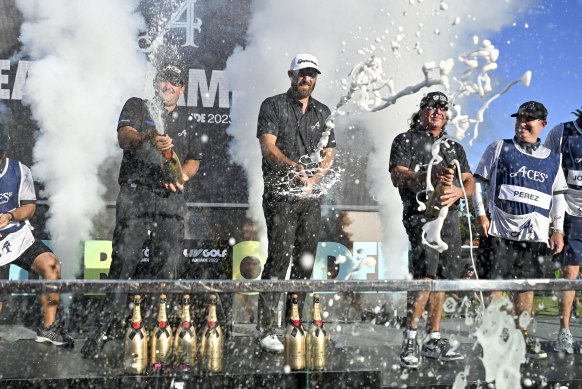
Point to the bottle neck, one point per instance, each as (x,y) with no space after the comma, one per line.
(294,311)
(316,313)
(136,316)
(186,312)
(162,316)
(212,313)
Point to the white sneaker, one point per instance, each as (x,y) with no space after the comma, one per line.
(564,343)
(272,343)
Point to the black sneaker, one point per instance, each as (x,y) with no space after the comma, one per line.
(533,349)
(95,343)
(409,355)
(440,349)
(54,335)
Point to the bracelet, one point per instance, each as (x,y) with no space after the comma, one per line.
(11,214)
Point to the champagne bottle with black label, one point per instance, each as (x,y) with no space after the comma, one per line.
(211,345)
(161,343)
(433,206)
(135,356)
(295,339)
(317,338)
(185,339)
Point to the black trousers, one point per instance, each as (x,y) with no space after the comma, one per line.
(293,231)
(155,216)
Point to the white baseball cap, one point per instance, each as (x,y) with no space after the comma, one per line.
(302,61)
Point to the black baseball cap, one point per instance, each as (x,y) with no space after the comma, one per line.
(171,73)
(433,99)
(4,138)
(532,109)
(470,267)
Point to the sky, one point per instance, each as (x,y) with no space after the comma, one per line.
(545,39)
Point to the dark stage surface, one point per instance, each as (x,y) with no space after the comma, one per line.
(360,355)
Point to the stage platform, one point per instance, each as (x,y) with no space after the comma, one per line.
(360,355)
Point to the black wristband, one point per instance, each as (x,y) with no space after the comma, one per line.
(11,214)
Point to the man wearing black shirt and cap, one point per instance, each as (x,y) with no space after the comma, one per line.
(290,126)
(151,205)
(410,156)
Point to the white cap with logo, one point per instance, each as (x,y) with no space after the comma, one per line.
(302,61)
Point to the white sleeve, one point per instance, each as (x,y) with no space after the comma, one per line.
(558,211)
(560,183)
(478,198)
(27,192)
(486,164)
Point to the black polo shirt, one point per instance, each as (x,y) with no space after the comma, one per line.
(412,148)
(297,133)
(142,166)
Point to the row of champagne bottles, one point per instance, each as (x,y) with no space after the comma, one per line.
(167,349)
(300,348)
(180,350)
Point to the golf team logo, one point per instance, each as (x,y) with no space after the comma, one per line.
(184,18)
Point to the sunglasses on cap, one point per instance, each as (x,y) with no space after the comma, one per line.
(444,106)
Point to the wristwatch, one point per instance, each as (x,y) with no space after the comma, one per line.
(561,232)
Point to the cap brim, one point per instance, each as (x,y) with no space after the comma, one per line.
(514,115)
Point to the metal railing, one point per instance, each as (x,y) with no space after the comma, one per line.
(229,286)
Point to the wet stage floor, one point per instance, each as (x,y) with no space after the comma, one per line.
(360,355)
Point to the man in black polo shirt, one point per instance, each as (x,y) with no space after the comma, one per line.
(151,205)
(290,125)
(409,158)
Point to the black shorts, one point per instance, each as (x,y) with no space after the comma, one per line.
(424,261)
(500,258)
(25,261)
(571,255)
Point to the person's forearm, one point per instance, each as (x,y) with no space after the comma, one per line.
(469,185)
(190,167)
(276,157)
(403,177)
(24,212)
(324,165)
(129,138)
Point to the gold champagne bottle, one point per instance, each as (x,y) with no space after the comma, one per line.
(295,339)
(317,338)
(185,339)
(161,343)
(433,206)
(211,345)
(135,358)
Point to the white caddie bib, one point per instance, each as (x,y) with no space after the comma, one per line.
(13,245)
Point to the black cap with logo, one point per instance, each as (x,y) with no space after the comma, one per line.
(434,99)
(532,109)
(173,74)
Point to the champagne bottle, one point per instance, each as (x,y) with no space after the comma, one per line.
(433,206)
(161,343)
(211,345)
(295,339)
(317,338)
(185,339)
(135,356)
(171,166)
